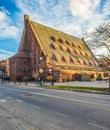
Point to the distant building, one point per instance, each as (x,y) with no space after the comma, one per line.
(50,54)
(104,62)
(4,67)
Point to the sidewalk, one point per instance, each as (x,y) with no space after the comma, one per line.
(98,84)
(11,121)
(6,120)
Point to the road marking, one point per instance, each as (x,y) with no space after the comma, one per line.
(58,97)
(35,106)
(9,97)
(2,100)
(99,126)
(19,100)
(61,114)
(1,94)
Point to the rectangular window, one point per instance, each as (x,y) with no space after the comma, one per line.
(34,61)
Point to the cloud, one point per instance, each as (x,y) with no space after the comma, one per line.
(7,27)
(69,29)
(4,51)
(4,54)
(101,51)
(70,16)
(2,16)
(106,10)
(83,8)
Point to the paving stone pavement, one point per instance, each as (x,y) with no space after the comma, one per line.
(10,121)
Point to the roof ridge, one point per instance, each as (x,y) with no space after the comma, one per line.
(33,30)
(56,30)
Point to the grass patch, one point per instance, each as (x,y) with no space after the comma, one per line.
(76,88)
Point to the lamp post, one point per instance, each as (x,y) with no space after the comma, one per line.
(109,80)
(52,74)
(52,68)
(3,77)
(25,75)
(40,70)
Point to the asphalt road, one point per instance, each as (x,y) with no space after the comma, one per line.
(58,110)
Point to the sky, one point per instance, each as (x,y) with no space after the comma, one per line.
(74,17)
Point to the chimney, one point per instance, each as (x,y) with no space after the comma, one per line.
(26,17)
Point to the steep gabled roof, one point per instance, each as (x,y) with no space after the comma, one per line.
(62,46)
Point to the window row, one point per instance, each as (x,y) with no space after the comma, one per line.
(66,41)
(74,60)
(69,50)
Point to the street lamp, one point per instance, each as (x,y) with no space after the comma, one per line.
(25,75)
(52,67)
(109,83)
(52,75)
(40,70)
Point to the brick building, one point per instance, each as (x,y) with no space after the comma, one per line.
(51,54)
(4,67)
(104,62)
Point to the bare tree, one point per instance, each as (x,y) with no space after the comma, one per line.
(100,37)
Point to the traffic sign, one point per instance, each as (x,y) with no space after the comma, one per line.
(41,71)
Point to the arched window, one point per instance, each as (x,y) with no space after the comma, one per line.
(71,60)
(67,42)
(96,64)
(60,40)
(81,53)
(73,45)
(52,38)
(54,57)
(52,46)
(61,48)
(63,59)
(78,61)
(84,62)
(90,63)
(68,50)
(86,54)
(75,52)
(79,46)
(24,61)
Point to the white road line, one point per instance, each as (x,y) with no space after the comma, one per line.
(9,97)
(1,94)
(35,106)
(19,100)
(60,114)
(2,100)
(98,126)
(59,97)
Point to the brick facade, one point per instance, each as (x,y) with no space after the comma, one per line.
(38,57)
